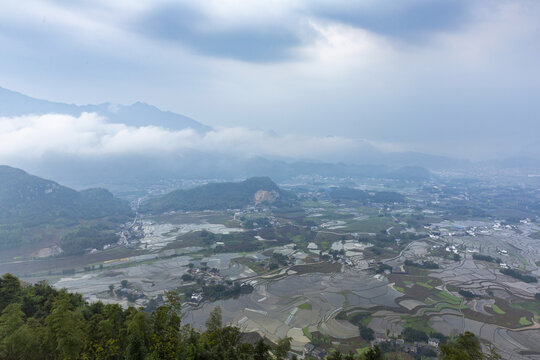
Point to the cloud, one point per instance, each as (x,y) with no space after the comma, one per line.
(255,33)
(456,77)
(404,20)
(192,27)
(35,136)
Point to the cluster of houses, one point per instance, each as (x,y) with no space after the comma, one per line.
(131,294)
(312,351)
(206,276)
(129,235)
(411,348)
(414,347)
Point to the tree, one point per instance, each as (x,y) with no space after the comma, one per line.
(335,355)
(138,337)
(465,347)
(366,333)
(19,340)
(261,351)
(282,348)
(373,354)
(65,329)
(412,335)
(166,328)
(10,289)
(124,283)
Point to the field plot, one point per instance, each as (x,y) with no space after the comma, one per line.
(309,301)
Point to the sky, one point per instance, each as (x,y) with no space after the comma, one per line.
(457,78)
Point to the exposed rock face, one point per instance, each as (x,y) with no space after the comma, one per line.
(266,196)
(47,252)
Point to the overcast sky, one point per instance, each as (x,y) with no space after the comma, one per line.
(456,77)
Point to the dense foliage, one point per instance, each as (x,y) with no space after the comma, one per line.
(87,237)
(466,347)
(486,258)
(467,294)
(411,335)
(519,275)
(215,196)
(28,202)
(39,322)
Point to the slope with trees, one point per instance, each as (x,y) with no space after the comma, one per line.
(27,201)
(218,196)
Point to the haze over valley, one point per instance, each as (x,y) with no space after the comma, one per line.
(270,180)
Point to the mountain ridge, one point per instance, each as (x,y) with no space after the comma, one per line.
(29,202)
(220,196)
(138,114)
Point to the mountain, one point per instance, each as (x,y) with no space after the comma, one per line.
(130,174)
(220,196)
(138,114)
(29,202)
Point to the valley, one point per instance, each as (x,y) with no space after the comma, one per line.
(396,258)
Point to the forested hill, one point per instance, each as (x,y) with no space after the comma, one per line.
(218,196)
(29,203)
(38,322)
(29,200)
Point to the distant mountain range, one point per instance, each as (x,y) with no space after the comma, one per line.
(138,114)
(28,202)
(127,171)
(221,196)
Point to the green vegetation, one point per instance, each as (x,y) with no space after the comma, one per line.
(523,321)
(419,283)
(497,309)
(28,203)
(417,323)
(423,265)
(465,347)
(87,237)
(218,196)
(467,294)
(305,306)
(411,335)
(39,322)
(532,306)
(486,258)
(452,299)
(220,292)
(307,333)
(373,225)
(516,274)
(366,333)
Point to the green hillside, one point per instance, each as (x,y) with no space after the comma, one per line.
(217,196)
(29,202)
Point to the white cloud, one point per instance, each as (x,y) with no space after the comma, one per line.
(33,136)
(478,79)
